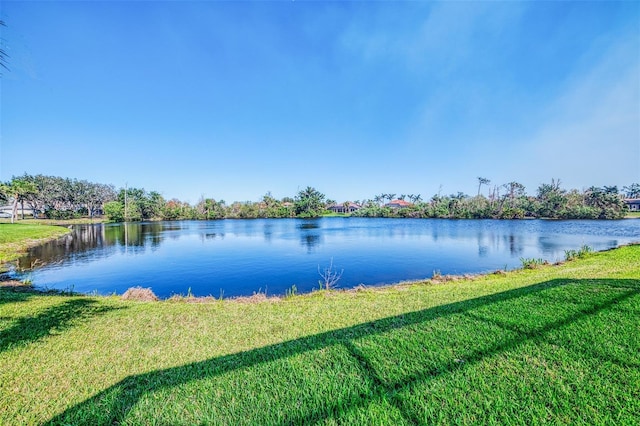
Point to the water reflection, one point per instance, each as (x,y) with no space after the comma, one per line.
(241,256)
(515,247)
(310,233)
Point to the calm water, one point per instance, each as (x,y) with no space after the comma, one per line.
(240,257)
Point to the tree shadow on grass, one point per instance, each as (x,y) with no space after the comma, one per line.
(50,321)
(12,291)
(387,357)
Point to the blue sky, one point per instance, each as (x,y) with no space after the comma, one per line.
(233,99)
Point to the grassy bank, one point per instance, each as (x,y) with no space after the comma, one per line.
(16,238)
(59,222)
(556,345)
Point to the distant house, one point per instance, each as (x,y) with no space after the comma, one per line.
(398,204)
(5,211)
(344,208)
(633,204)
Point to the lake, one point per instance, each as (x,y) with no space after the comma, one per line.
(241,257)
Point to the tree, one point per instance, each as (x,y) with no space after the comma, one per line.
(551,199)
(4,195)
(209,209)
(154,205)
(482,181)
(346,206)
(309,203)
(514,189)
(140,205)
(606,201)
(632,191)
(98,195)
(114,210)
(18,189)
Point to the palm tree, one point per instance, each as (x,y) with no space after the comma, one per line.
(482,181)
(18,189)
(345,206)
(309,202)
(632,191)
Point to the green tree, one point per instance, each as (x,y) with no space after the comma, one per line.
(114,210)
(309,203)
(606,201)
(140,205)
(175,210)
(551,199)
(632,191)
(18,190)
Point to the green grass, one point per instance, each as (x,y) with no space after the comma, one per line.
(633,215)
(553,345)
(58,222)
(16,238)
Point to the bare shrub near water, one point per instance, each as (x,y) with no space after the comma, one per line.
(139,293)
(330,276)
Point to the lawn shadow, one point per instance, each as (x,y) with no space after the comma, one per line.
(114,404)
(12,291)
(53,320)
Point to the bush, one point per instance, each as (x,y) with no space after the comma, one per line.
(581,253)
(531,263)
(62,214)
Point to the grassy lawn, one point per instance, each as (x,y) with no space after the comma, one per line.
(553,345)
(16,238)
(58,222)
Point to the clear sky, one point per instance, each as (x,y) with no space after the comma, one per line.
(233,99)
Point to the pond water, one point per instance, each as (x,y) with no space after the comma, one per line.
(240,257)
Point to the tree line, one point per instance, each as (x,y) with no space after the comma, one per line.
(63,198)
(55,197)
(510,201)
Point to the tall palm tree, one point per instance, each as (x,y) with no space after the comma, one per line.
(482,181)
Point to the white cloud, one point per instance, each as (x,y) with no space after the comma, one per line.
(591,135)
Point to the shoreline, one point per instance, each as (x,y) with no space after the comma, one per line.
(146,294)
(13,250)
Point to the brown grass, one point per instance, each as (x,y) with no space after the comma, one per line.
(139,293)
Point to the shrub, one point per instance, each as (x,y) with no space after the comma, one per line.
(62,214)
(581,253)
(531,263)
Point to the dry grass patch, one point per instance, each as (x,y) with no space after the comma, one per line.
(141,294)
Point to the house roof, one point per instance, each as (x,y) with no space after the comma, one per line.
(398,203)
